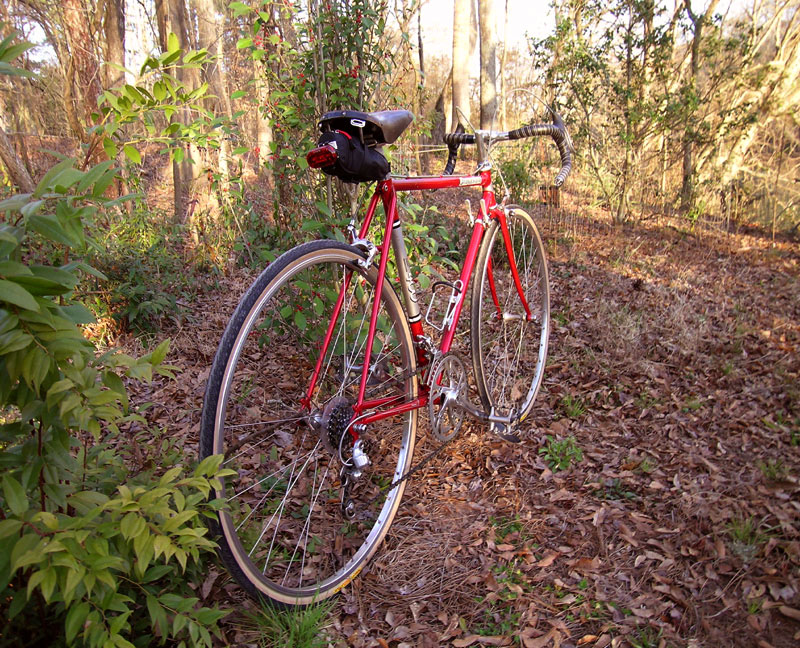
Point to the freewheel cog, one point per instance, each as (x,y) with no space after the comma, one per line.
(448,383)
(335,418)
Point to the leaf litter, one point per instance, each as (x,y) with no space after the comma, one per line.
(673,530)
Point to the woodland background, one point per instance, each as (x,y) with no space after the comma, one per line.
(154,160)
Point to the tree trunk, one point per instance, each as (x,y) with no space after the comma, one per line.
(83,71)
(550,83)
(698,22)
(488,27)
(172,17)
(503,100)
(419,46)
(462,52)
(16,169)
(114,28)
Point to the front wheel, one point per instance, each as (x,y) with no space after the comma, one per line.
(296,528)
(510,318)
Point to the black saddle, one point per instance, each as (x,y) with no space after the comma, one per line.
(374,129)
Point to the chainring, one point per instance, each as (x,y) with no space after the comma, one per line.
(448,381)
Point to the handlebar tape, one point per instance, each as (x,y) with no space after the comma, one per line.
(453,146)
(557,131)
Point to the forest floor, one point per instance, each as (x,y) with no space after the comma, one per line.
(675,365)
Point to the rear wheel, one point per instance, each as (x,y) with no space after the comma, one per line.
(509,342)
(284,534)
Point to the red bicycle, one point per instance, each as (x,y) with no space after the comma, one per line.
(315,388)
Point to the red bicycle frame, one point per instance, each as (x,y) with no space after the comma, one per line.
(386,192)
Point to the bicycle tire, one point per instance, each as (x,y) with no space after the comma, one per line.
(283,536)
(509,350)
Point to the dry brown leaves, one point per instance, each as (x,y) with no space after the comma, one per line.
(683,350)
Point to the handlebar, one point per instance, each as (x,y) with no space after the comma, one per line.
(557,131)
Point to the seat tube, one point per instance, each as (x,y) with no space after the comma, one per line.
(410,296)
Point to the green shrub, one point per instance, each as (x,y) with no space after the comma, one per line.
(84,545)
(560,454)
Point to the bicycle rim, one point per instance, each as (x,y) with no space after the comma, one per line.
(509,347)
(283,535)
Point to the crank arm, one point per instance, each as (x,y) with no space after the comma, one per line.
(499,425)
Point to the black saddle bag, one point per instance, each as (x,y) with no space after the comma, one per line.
(356,161)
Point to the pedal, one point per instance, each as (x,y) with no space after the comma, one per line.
(499,430)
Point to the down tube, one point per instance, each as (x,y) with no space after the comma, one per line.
(466,273)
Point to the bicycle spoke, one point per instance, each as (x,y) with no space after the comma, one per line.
(507,350)
(286,535)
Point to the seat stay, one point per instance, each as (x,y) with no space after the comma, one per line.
(390,207)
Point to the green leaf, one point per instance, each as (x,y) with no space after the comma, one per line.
(110,147)
(13,293)
(77,314)
(14,269)
(323,207)
(49,583)
(18,604)
(170,476)
(132,154)
(115,384)
(173,45)
(76,618)
(116,626)
(49,226)
(74,577)
(14,204)
(158,615)
(300,320)
(239,9)
(132,525)
(40,286)
(160,353)
(10,70)
(9,527)
(209,466)
(93,174)
(46,182)
(56,275)
(14,340)
(159,91)
(66,179)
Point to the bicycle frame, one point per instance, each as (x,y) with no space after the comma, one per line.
(386,192)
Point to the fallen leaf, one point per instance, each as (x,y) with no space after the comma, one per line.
(548,559)
(785,610)
(469,640)
(540,642)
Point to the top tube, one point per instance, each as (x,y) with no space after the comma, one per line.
(427,183)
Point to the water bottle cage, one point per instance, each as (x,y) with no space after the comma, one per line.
(456,289)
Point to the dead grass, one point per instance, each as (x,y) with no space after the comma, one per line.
(685,349)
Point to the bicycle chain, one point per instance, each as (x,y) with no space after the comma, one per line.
(410,473)
(414,469)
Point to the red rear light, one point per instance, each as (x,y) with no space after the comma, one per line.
(321,157)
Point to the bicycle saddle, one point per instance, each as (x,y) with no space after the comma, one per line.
(375,128)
